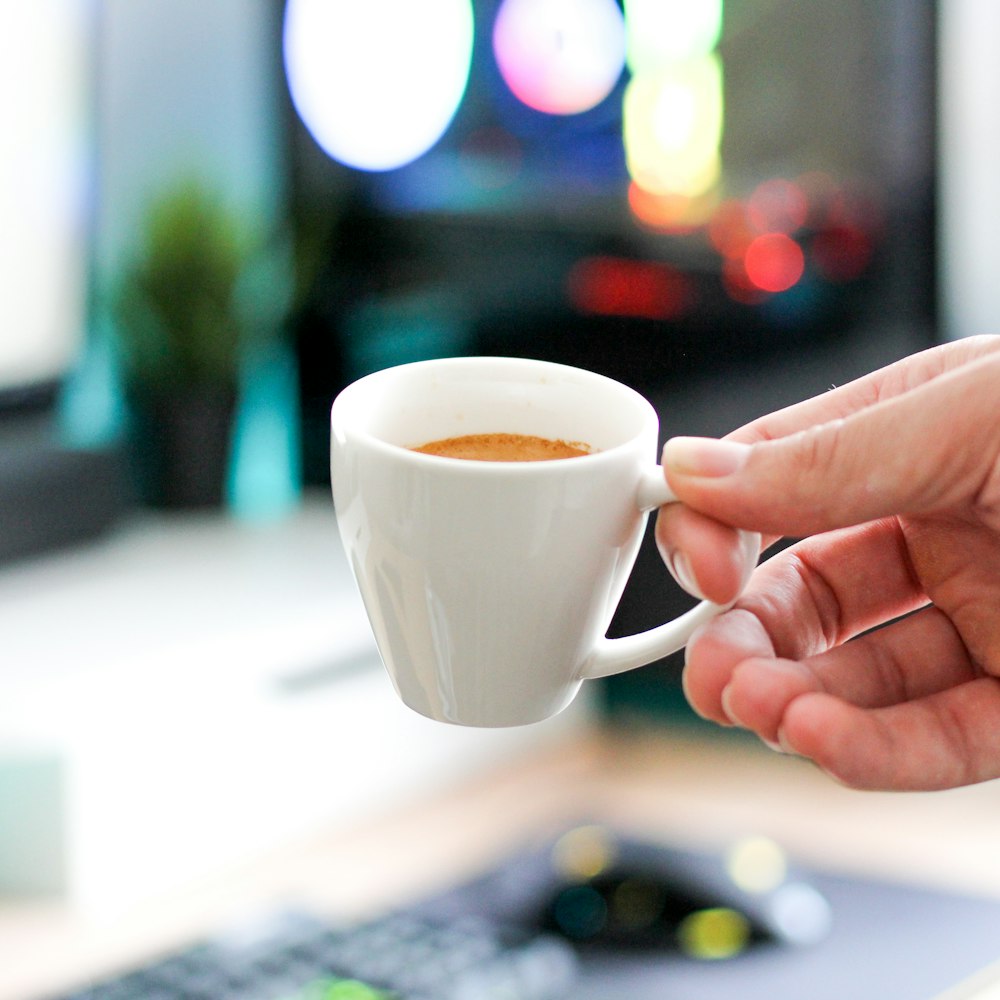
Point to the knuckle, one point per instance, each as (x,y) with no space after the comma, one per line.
(820,447)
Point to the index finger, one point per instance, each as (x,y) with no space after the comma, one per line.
(885,383)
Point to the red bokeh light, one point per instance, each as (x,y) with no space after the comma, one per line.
(774,262)
(618,286)
(729,229)
(842,253)
(778,206)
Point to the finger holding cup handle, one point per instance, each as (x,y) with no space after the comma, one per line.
(615,656)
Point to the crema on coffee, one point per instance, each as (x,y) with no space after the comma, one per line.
(504,448)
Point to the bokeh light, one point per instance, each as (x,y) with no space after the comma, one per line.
(676,214)
(774,262)
(715,933)
(580,912)
(673,105)
(801,912)
(842,253)
(778,205)
(673,126)
(756,864)
(619,286)
(377,83)
(637,904)
(329,988)
(661,31)
(562,57)
(583,852)
(730,230)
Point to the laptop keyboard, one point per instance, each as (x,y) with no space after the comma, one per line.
(404,956)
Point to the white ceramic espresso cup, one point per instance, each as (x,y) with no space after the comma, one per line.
(490,585)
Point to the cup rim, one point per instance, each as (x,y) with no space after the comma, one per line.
(346,398)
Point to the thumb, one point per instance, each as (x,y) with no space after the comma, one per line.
(932,447)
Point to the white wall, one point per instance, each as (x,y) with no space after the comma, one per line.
(185,87)
(43,186)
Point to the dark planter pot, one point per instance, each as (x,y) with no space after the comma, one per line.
(181,441)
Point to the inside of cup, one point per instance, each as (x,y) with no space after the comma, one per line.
(416,404)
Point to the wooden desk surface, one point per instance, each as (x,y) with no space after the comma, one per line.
(684,788)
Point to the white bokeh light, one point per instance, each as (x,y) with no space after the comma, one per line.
(377,82)
(560,56)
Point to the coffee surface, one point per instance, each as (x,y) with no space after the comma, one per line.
(504,448)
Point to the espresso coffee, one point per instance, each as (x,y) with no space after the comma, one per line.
(503,448)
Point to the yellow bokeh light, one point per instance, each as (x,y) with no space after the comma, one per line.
(673,126)
(584,852)
(714,933)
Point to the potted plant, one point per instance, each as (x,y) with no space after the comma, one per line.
(183,329)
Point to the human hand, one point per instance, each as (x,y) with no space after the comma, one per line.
(893,484)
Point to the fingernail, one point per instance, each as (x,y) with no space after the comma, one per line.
(745,558)
(680,569)
(724,699)
(693,641)
(696,456)
(783,743)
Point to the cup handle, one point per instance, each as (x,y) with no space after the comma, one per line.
(614,656)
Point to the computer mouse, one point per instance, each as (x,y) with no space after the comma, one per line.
(622,892)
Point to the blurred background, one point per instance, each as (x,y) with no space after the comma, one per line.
(215,215)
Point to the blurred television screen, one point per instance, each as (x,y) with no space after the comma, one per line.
(634,188)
